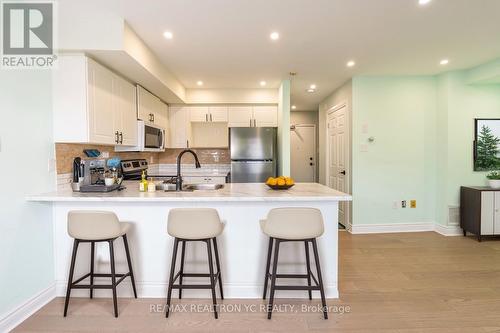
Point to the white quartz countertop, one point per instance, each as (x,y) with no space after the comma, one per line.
(231,192)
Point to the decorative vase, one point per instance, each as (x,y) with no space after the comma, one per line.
(494,183)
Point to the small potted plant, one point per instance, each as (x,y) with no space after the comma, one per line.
(494,179)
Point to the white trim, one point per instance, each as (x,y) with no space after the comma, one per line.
(348,149)
(405,227)
(391,228)
(453,230)
(10,320)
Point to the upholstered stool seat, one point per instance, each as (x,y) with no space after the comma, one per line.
(293,224)
(192,225)
(93,227)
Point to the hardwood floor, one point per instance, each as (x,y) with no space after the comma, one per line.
(415,282)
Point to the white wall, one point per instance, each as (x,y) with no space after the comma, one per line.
(26,257)
(232,96)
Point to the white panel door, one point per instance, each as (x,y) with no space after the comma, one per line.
(100,95)
(265,116)
(240,116)
(337,156)
(303,153)
(218,114)
(198,114)
(488,214)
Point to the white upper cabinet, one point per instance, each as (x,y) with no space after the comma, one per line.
(150,108)
(202,114)
(92,104)
(253,116)
(240,116)
(125,111)
(265,116)
(198,114)
(180,127)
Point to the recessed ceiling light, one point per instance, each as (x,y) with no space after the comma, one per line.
(200,83)
(293,107)
(444,62)
(312,86)
(274,36)
(310,90)
(263,83)
(168,35)
(423,2)
(351,63)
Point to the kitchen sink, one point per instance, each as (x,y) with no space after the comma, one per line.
(202,187)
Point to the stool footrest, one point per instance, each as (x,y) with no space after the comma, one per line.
(214,277)
(278,287)
(192,286)
(98,286)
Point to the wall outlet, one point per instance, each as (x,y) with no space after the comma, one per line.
(413,203)
(105,154)
(403,204)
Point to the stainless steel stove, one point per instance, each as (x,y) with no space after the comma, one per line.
(132,170)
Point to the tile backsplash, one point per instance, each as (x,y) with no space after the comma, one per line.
(66,152)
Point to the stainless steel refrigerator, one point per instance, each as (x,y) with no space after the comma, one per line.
(253,154)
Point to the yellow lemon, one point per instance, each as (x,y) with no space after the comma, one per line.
(290,181)
(272,181)
(281,182)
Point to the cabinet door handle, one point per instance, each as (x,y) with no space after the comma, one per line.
(116,137)
(153,115)
(206,116)
(250,122)
(210,117)
(121,137)
(187,143)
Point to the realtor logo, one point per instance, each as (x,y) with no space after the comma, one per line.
(27,34)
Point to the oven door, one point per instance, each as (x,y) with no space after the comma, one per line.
(154,137)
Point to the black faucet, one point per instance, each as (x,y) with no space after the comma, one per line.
(178,182)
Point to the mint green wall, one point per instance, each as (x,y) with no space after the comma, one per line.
(26,249)
(460,102)
(400,113)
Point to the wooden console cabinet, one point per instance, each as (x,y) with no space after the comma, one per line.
(479,211)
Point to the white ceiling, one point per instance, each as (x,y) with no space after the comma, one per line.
(225,43)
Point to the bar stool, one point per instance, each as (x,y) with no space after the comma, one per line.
(194,225)
(93,227)
(298,225)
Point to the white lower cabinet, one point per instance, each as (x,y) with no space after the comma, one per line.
(203,180)
(490,213)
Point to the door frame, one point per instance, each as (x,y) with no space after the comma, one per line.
(348,150)
(315,148)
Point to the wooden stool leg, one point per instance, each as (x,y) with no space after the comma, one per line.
(129,262)
(171,278)
(70,277)
(183,252)
(217,263)
(308,264)
(92,251)
(268,263)
(211,270)
(273,279)
(113,276)
(320,279)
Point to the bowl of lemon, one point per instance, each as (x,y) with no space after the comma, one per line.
(280,183)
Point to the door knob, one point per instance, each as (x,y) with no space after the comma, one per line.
(342,172)
(310,158)
(311,163)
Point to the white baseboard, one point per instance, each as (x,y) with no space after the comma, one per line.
(159,289)
(391,228)
(454,230)
(405,227)
(10,320)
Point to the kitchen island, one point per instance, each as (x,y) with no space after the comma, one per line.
(242,245)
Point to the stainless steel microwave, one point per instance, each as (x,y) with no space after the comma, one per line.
(150,137)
